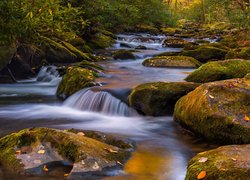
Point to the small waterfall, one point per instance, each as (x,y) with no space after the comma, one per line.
(47,74)
(103,102)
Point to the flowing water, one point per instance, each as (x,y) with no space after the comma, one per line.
(163,147)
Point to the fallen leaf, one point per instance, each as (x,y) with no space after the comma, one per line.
(45,169)
(66,175)
(234,159)
(247,118)
(203,159)
(111,150)
(41,151)
(202,175)
(212,97)
(18,152)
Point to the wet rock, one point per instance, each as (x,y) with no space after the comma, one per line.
(202,41)
(206,53)
(169,54)
(220,70)
(123,54)
(85,155)
(241,53)
(141,47)
(22,63)
(175,43)
(75,79)
(226,162)
(159,98)
(218,111)
(172,61)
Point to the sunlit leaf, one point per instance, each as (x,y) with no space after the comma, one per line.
(202,175)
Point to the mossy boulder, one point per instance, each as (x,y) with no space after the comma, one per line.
(172,61)
(206,53)
(168,54)
(175,43)
(226,162)
(220,70)
(145,28)
(241,53)
(75,79)
(218,111)
(57,51)
(159,98)
(123,54)
(31,150)
(6,54)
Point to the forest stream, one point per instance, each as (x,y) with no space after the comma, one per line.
(163,148)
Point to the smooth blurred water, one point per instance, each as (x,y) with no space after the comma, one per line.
(163,148)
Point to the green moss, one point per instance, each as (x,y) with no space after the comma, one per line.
(168,54)
(75,79)
(241,53)
(206,53)
(89,65)
(145,28)
(216,111)
(108,139)
(172,61)
(175,43)
(123,54)
(220,70)
(101,41)
(170,31)
(158,98)
(227,162)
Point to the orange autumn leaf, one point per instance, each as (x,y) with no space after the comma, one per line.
(202,175)
(45,169)
(247,118)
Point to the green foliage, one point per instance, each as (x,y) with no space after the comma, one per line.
(27,21)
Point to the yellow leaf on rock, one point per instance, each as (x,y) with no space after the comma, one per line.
(18,152)
(45,169)
(202,175)
(41,151)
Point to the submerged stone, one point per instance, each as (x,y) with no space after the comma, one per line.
(226,162)
(218,111)
(159,98)
(172,61)
(220,70)
(123,54)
